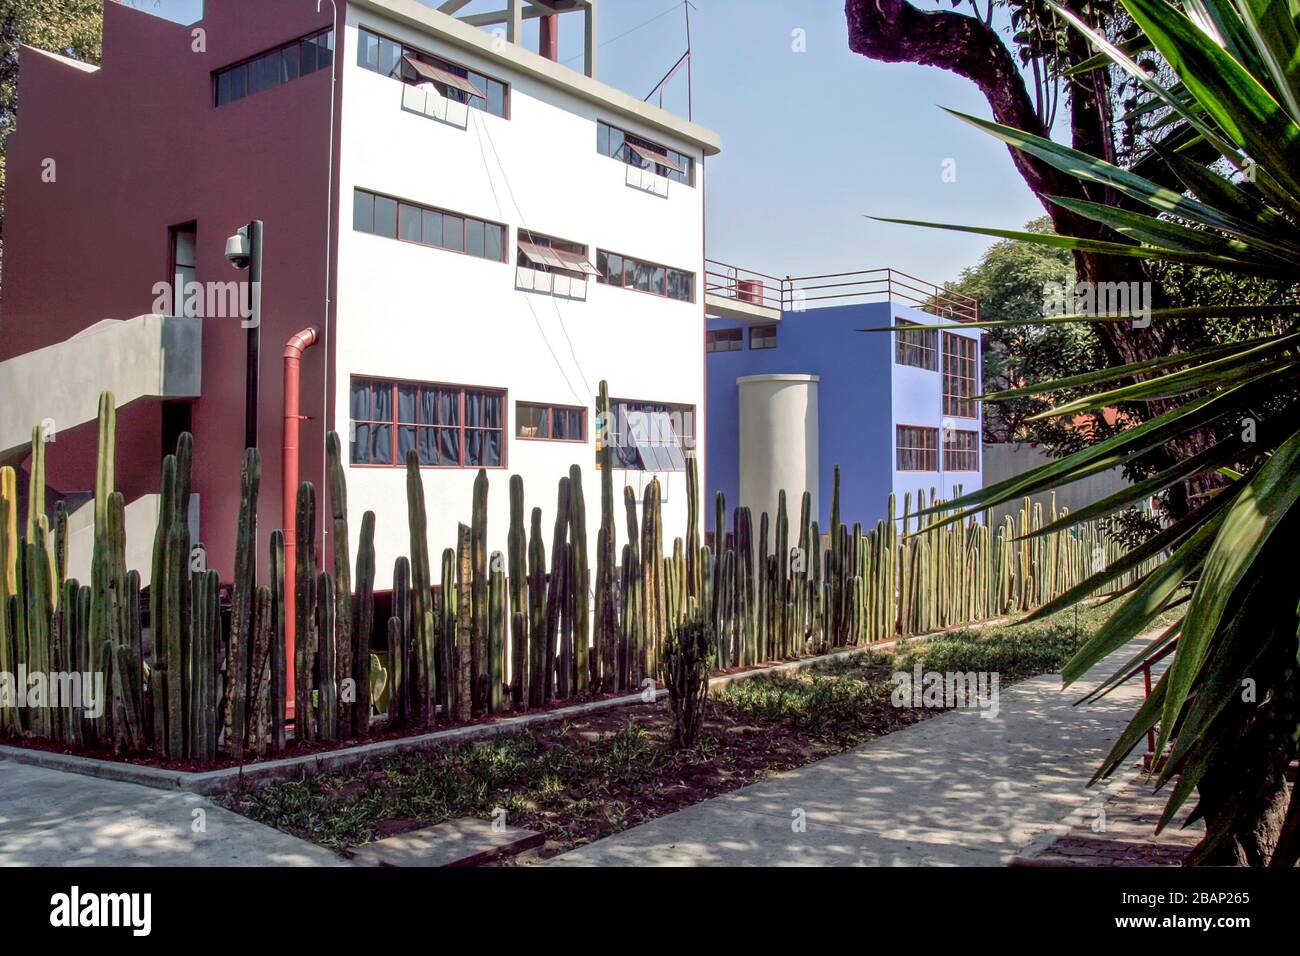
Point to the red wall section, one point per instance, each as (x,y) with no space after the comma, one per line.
(140,147)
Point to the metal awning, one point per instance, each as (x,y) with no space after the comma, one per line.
(653,155)
(437,74)
(557,258)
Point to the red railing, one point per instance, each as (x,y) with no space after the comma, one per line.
(796,293)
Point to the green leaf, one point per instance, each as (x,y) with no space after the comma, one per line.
(1264,501)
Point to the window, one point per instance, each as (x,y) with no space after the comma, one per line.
(550,422)
(649,436)
(644,154)
(918,448)
(450,426)
(762,337)
(961,450)
(389,58)
(631,273)
(183,269)
(960,375)
(916,347)
(548,254)
(284,63)
(383,216)
(724,340)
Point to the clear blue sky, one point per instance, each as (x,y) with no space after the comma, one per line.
(812,142)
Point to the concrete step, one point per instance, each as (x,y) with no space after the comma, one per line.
(466,841)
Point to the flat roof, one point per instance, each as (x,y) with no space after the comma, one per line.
(416,15)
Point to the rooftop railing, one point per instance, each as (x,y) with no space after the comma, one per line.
(796,293)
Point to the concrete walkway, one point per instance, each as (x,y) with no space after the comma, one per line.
(50,818)
(955,790)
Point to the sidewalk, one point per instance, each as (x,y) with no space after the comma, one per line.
(49,818)
(956,790)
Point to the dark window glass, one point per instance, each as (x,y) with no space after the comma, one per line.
(762,337)
(239,82)
(408,222)
(324,49)
(307,56)
(916,347)
(474,237)
(453,233)
(432,227)
(494,242)
(290,61)
(368,50)
(724,340)
(389,419)
(223,88)
(917,448)
(363,211)
(960,375)
(386,217)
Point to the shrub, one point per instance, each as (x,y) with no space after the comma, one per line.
(687,660)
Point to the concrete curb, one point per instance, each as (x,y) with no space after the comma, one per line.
(226,780)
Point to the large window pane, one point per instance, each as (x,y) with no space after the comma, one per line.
(408,222)
(289,63)
(363,211)
(453,233)
(367,51)
(432,227)
(493,242)
(531,421)
(390,54)
(386,217)
(474,237)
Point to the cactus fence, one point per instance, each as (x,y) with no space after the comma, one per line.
(498,633)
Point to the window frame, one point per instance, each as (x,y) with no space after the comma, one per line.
(974,450)
(246,65)
(687,450)
(956,403)
(604,277)
(714,335)
(550,408)
(929,346)
(566,246)
(178,292)
(620,155)
(424,210)
(461,427)
(765,328)
(899,448)
(433,59)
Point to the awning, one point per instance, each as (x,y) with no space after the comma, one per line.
(653,155)
(557,258)
(438,75)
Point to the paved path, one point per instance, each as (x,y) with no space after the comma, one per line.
(955,790)
(51,818)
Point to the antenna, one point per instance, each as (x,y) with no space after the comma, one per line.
(684,59)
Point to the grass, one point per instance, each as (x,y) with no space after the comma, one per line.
(605,772)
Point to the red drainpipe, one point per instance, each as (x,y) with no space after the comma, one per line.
(293,350)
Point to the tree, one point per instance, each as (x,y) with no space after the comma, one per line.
(1228,702)
(1010,282)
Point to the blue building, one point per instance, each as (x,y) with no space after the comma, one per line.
(795,388)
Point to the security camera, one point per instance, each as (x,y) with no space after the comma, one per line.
(237,253)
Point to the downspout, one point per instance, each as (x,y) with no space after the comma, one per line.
(293,350)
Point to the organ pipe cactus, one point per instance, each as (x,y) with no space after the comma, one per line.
(479,667)
(343,634)
(422,627)
(517,547)
(579,582)
(363,609)
(305,600)
(243,595)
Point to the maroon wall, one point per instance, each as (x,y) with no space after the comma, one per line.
(140,147)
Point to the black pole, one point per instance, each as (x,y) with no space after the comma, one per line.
(254,332)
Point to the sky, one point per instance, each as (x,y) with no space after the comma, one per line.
(813,141)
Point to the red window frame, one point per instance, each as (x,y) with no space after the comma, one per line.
(966,459)
(465,220)
(917,347)
(762,336)
(550,409)
(396,424)
(619,280)
(925,450)
(960,375)
(713,337)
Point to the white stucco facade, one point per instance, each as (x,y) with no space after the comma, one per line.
(411,312)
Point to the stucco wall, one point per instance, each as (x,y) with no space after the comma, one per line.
(409,311)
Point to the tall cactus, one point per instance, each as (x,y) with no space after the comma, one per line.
(517,546)
(479,664)
(363,609)
(305,725)
(607,629)
(244,593)
(279,666)
(579,582)
(338,490)
(537,602)
(422,626)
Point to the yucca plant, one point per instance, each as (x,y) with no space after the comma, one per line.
(1228,699)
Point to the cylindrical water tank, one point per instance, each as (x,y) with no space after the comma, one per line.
(778,442)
